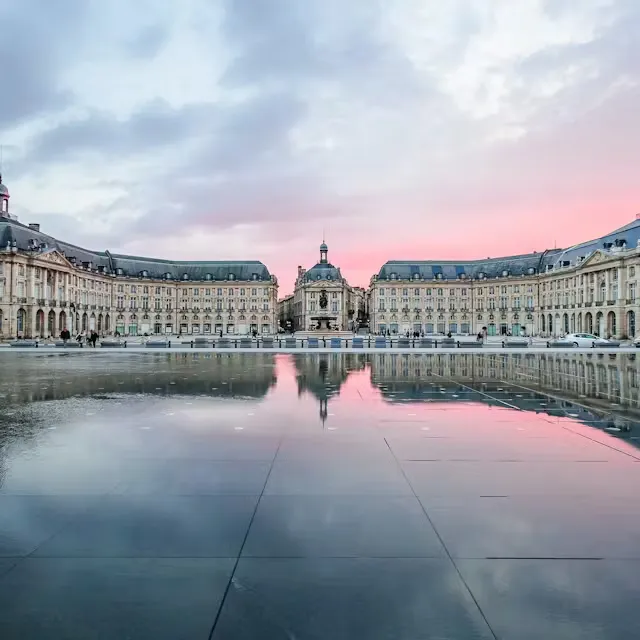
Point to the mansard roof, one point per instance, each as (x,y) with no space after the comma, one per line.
(28,239)
(625,237)
(322,271)
(524,264)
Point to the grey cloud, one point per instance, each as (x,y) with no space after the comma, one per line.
(296,44)
(102,134)
(148,43)
(248,135)
(35,45)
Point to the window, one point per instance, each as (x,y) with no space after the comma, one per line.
(452,292)
(632,272)
(120,288)
(632,291)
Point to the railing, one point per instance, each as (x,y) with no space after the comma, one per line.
(599,303)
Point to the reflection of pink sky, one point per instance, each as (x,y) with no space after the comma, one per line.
(359,409)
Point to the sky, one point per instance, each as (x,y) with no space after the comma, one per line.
(248,129)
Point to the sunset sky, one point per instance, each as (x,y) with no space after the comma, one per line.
(405,129)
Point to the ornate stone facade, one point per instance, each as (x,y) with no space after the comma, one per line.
(590,287)
(47,285)
(323,299)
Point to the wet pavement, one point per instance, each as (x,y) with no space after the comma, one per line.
(320,496)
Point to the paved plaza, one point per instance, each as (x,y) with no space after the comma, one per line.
(319,496)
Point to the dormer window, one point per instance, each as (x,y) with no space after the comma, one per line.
(439,276)
(329,277)
(232,276)
(505,273)
(144,273)
(531,271)
(208,277)
(119,272)
(167,276)
(481,275)
(185,276)
(254,276)
(393,276)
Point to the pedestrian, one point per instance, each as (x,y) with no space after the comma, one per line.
(94,339)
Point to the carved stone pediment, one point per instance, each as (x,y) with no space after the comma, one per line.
(53,258)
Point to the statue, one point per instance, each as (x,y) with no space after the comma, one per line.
(323,299)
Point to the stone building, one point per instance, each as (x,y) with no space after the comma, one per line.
(590,287)
(323,299)
(47,285)
(285,313)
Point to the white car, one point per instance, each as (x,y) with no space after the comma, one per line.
(585,340)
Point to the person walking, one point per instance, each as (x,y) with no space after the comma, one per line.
(94,339)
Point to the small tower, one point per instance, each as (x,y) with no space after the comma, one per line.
(4,200)
(323,253)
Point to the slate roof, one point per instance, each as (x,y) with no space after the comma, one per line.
(525,264)
(322,271)
(627,236)
(624,237)
(12,231)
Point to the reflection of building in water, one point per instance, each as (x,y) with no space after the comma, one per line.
(604,378)
(322,375)
(60,376)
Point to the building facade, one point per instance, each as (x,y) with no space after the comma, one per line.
(322,298)
(590,287)
(285,313)
(47,285)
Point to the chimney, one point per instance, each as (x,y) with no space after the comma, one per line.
(34,226)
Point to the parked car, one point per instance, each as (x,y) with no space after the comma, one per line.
(585,340)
